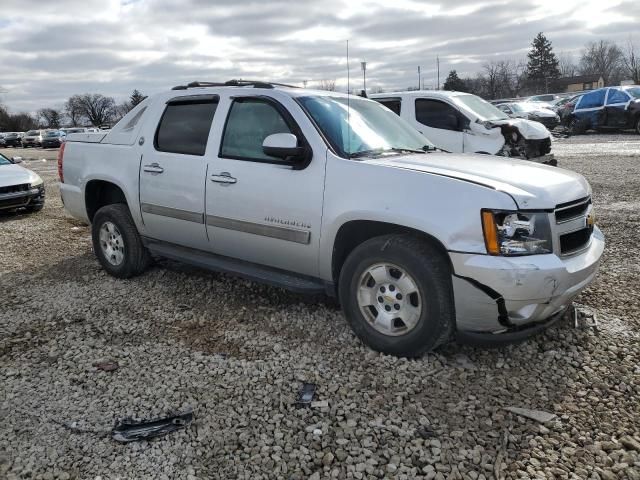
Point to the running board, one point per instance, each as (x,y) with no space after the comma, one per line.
(250,271)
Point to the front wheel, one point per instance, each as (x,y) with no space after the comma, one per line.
(638,125)
(396,293)
(116,242)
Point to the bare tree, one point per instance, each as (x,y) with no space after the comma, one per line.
(567,65)
(631,61)
(492,80)
(74,110)
(50,117)
(97,108)
(329,85)
(602,58)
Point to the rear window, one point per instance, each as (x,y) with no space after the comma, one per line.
(617,96)
(184,127)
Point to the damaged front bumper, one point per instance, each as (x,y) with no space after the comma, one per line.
(508,299)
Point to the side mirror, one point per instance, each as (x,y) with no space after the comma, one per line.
(16,159)
(283,145)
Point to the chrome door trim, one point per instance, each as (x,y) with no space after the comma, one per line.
(281,233)
(172,212)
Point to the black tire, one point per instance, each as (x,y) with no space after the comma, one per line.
(432,274)
(136,256)
(576,127)
(638,125)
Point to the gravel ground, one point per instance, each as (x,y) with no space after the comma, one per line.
(237,352)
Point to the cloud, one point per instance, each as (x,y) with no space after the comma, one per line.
(51,50)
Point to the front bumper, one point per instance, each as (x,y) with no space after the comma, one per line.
(32,197)
(502,295)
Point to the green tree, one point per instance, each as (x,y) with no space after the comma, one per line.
(542,66)
(454,82)
(136,97)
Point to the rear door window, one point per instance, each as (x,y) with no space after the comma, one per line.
(617,96)
(184,126)
(392,104)
(592,100)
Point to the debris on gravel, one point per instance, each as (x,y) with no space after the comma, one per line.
(238,352)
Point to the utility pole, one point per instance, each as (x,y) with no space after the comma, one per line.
(419,78)
(364,76)
(438,68)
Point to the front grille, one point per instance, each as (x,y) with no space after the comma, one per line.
(575,241)
(538,148)
(568,211)
(24,187)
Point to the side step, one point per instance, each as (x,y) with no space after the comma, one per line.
(248,270)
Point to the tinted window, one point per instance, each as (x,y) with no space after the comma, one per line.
(184,127)
(393,105)
(436,114)
(250,121)
(593,99)
(617,96)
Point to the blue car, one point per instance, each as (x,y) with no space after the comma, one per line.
(610,108)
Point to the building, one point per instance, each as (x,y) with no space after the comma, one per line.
(579,83)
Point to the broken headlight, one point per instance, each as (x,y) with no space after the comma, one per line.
(516,233)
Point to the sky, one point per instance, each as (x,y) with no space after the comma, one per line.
(52,50)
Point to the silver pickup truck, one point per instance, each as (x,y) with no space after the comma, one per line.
(318,191)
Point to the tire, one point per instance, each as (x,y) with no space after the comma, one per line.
(125,256)
(576,127)
(638,125)
(419,262)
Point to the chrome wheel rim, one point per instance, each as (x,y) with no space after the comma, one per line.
(389,299)
(112,243)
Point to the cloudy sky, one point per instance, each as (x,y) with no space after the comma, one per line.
(51,50)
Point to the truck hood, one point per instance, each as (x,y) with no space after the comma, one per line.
(531,185)
(16,175)
(530,130)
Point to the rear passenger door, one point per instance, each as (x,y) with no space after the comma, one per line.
(616,108)
(590,109)
(173,171)
(441,123)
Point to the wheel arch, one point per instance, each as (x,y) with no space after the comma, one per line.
(99,193)
(355,232)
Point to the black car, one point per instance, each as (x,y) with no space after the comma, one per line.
(611,108)
(53,139)
(12,139)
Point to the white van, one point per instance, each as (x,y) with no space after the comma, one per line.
(460,122)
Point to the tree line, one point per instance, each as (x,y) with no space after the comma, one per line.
(540,71)
(85,109)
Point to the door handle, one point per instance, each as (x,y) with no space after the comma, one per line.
(224,177)
(153,168)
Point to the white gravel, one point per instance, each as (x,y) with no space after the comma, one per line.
(237,352)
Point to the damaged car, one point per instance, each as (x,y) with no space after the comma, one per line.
(537,112)
(612,108)
(459,122)
(19,187)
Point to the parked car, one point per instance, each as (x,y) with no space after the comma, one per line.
(549,98)
(33,138)
(53,139)
(564,108)
(70,130)
(611,108)
(532,111)
(19,187)
(13,139)
(318,191)
(460,122)
(2,141)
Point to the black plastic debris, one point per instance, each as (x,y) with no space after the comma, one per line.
(425,432)
(305,395)
(130,430)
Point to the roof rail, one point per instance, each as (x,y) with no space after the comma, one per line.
(234,83)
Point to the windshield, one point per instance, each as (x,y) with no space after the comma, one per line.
(481,108)
(634,92)
(364,127)
(33,132)
(4,160)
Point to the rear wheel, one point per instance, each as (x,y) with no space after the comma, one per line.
(576,127)
(396,293)
(116,242)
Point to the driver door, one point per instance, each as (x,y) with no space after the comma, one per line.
(440,123)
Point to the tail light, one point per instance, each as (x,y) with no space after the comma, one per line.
(60,160)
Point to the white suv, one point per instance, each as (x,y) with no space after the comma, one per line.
(317,191)
(460,122)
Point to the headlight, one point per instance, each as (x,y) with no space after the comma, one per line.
(37,183)
(516,233)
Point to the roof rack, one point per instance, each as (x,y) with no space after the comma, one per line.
(234,83)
